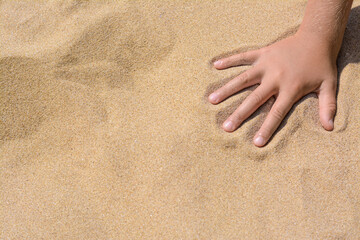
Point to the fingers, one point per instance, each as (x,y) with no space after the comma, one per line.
(277,113)
(244,80)
(327,105)
(248,107)
(245,58)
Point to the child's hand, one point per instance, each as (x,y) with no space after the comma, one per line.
(288,70)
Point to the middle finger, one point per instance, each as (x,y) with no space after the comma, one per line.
(257,98)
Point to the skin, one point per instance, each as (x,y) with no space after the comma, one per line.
(290,69)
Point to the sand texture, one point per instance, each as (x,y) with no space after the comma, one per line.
(105,131)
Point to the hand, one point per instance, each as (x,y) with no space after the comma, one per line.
(288,70)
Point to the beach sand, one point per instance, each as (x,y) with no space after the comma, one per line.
(106,133)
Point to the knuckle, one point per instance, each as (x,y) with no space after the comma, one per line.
(296,87)
(331,79)
(331,106)
(238,120)
(244,77)
(256,97)
(278,114)
(243,56)
(266,132)
(278,74)
(230,86)
(261,51)
(238,116)
(333,86)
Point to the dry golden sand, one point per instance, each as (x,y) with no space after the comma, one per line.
(106,133)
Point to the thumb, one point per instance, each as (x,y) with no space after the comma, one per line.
(327,105)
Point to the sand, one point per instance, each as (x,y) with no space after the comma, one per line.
(105,131)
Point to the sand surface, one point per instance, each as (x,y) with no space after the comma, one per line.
(105,131)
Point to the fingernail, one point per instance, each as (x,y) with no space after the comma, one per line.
(214,97)
(217,63)
(259,141)
(331,122)
(229,125)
